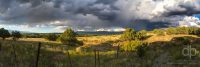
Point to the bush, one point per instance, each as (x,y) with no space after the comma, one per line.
(171,31)
(194,30)
(141,35)
(34,35)
(128,35)
(182,40)
(159,32)
(131,45)
(183,30)
(16,35)
(69,38)
(4,33)
(52,37)
(141,50)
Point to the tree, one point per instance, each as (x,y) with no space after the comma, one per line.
(182,30)
(159,32)
(141,35)
(4,33)
(69,38)
(52,37)
(16,35)
(171,31)
(131,45)
(128,35)
(193,30)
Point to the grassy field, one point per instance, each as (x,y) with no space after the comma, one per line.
(161,52)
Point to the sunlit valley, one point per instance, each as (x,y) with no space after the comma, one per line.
(99,33)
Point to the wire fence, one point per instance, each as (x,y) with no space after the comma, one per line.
(41,55)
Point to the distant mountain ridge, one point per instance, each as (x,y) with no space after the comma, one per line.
(20,31)
(79,32)
(99,32)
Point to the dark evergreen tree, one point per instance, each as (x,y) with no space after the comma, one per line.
(52,37)
(16,35)
(141,50)
(4,33)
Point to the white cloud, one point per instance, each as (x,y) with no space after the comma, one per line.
(189,21)
(111,29)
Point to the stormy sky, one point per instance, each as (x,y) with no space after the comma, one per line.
(94,15)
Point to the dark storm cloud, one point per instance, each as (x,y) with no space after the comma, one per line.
(188,13)
(188,9)
(4,5)
(94,13)
(104,12)
(42,13)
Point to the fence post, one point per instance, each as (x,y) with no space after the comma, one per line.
(95,56)
(70,63)
(14,52)
(98,58)
(117,55)
(38,54)
(0,46)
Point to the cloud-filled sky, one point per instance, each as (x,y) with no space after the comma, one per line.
(94,15)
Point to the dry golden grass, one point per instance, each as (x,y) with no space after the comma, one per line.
(37,40)
(34,39)
(165,38)
(88,40)
(95,40)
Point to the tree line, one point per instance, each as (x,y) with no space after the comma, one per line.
(67,38)
(178,30)
(6,34)
(133,40)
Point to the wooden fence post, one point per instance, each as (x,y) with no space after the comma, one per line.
(98,58)
(0,46)
(95,56)
(70,63)
(117,55)
(14,52)
(38,54)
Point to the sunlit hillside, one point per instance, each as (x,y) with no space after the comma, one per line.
(166,37)
(155,48)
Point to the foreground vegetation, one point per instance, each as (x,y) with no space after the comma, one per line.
(141,49)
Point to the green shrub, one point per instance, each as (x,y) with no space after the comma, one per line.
(141,50)
(183,30)
(4,33)
(141,35)
(16,35)
(69,38)
(34,35)
(194,30)
(128,35)
(131,45)
(171,31)
(182,40)
(159,32)
(52,37)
